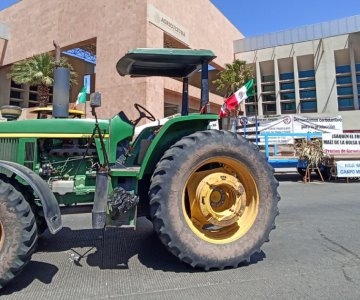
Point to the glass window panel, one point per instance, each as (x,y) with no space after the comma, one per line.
(286,76)
(306,73)
(15,95)
(309,106)
(308,83)
(269,98)
(287,86)
(307,94)
(268,78)
(343,80)
(33,97)
(268,88)
(287,96)
(250,99)
(343,69)
(345,90)
(250,108)
(346,103)
(357,67)
(288,107)
(358,78)
(15,103)
(269,108)
(15,85)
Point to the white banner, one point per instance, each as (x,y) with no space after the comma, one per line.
(346,143)
(291,124)
(317,124)
(348,168)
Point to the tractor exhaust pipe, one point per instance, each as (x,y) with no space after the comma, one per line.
(100,199)
(61,87)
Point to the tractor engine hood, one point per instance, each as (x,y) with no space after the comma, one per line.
(51,128)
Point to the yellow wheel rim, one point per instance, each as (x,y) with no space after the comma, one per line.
(2,236)
(220,200)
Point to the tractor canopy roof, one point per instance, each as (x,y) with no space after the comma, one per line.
(163,62)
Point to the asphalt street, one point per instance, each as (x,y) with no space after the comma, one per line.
(314,253)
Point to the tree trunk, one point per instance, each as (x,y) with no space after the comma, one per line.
(43,95)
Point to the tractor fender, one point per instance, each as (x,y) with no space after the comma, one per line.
(172,131)
(49,204)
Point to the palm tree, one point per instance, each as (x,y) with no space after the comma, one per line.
(39,71)
(233,77)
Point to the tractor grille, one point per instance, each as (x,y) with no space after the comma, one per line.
(9,149)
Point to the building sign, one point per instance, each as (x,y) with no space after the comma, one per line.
(346,143)
(165,23)
(348,168)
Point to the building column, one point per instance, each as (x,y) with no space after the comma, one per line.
(259,88)
(353,75)
(296,84)
(277,86)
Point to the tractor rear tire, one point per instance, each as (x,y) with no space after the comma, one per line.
(18,232)
(213,199)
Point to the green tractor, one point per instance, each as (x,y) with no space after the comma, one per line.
(211,195)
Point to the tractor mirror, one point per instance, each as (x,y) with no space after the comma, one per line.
(95,99)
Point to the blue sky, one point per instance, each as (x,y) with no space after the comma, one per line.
(6,3)
(262,16)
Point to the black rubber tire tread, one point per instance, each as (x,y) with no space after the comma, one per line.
(165,196)
(26,191)
(20,230)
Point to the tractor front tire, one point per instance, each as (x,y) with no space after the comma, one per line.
(18,232)
(213,199)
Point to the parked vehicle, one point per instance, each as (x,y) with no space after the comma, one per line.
(210,194)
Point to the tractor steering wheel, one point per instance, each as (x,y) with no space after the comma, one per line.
(144,113)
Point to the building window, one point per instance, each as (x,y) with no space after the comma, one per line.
(348,90)
(307,94)
(268,78)
(307,84)
(250,110)
(269,109)
(308,106)
(287,86)
(287,96)
(344,80)
(269,88)
(343,69)
(171,109)
(346,104)
(306,73)
(287,108)
(16,94)
(271,97)
(286,76)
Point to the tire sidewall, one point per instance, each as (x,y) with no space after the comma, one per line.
(185,163)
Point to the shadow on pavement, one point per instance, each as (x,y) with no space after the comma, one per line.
(34,270)
(106,249)
(292,177)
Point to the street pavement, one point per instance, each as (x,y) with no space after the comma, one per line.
(314,253)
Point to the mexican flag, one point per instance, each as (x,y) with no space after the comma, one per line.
(81,98)
(235,99)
